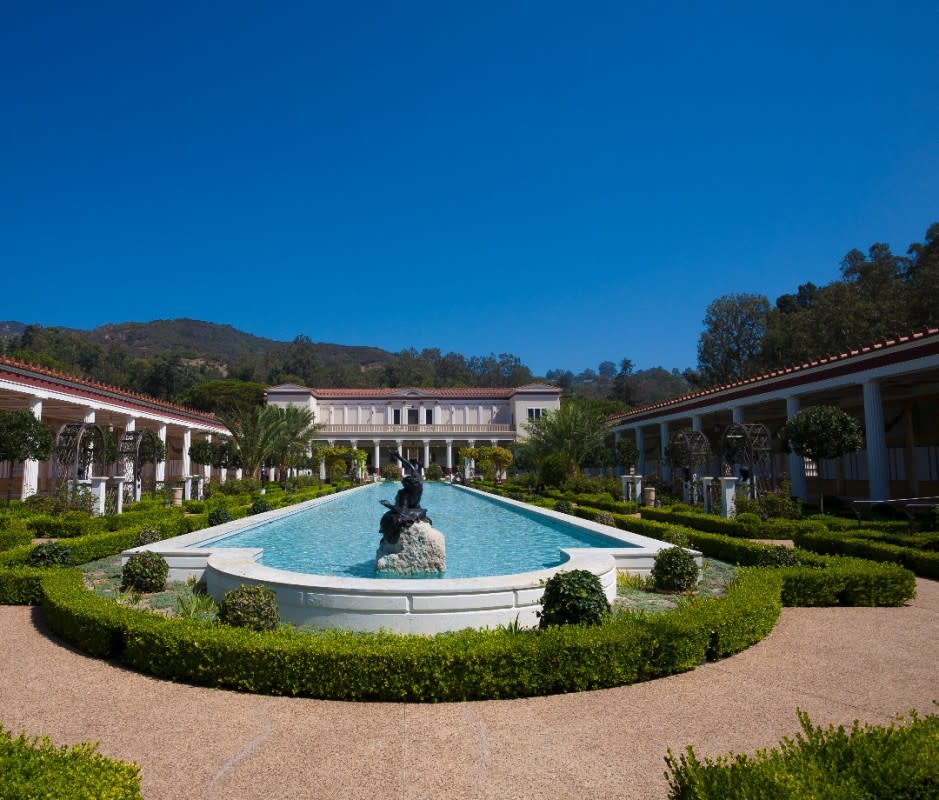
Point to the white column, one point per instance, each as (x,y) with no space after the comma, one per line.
(878,474)
(345,415)
(796,462)
(187,465)
(479,415)
(159,468)
(207,468)
(376,456)
(449,455)
(399,446)
(697,423)
(31,467)
(640,445)
(665,469)
(129,427)
(90,420)
(426,453)
(736,415)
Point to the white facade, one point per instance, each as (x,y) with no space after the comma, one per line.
(429,424)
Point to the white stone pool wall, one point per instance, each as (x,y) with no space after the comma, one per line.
(424,606)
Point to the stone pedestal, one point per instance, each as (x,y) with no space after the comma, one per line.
(706,491)
(117,481)
(419,550)
(632,488)
(98,494)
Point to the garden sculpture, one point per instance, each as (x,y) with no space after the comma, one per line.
(407,505)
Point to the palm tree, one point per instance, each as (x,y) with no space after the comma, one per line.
(294,439)
(255,432)
(576,432)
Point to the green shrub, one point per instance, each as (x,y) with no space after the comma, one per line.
(921,562)
(147,536)
(337,472)
(49,554)
(253,607)
(259,506)
(194,506)
(390,472)
(870,762)
(219,516)
(777,556)
(674,570)
(565,507)
(145,572)
(36,768)
(749,519)
(434,472)
(553,470)
(21,586)
(572,598)
(604,518)
(14,534)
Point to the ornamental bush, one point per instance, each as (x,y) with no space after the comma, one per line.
(259,506)
(573,598)
(49,554)
(435,472)
(553,470)
(147,535)
(253,607)
(218,516)
(564,506)
(674,570)
(604,518)
(390,472)
(37,768)
(145,572)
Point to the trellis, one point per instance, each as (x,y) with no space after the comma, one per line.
(80,450)
(749,445)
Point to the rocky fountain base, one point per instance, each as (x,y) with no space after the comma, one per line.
(420,549)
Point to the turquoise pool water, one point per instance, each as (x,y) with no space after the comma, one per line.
(484,537)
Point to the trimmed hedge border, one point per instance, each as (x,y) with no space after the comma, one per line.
(35,767)
(465,665)
(777,529)
(922,562)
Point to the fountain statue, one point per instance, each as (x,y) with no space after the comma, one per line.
(409,544)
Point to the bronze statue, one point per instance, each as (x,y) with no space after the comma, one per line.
(407,505)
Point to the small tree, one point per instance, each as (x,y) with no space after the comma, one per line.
(821,432)
(23,437)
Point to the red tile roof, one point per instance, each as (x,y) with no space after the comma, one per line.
(481,393)
(42,376)
(927,333)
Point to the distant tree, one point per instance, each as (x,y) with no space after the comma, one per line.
(607,369)
(223,397)
(23,437)
(576,433)
(820,432)
(730,346)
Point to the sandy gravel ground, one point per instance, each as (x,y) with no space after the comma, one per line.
(839,664)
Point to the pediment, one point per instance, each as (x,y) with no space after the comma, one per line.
(412,392)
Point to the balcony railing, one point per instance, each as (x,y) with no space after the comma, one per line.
(333,428)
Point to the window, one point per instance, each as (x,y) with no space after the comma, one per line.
(396,416)
(536,413)
(428,416)
(413,418)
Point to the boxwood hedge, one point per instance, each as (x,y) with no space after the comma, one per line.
(37,768)
(922,562)
(463,665)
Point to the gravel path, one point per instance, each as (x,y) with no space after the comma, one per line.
(838,664)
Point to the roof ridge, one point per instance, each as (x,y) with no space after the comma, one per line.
(93,384)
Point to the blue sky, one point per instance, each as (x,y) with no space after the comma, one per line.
(568,183)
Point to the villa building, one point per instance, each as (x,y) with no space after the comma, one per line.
(427,424)
(891,387)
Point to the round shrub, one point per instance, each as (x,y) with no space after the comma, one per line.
(564,506)
(147,536)
(750,520)
(219,515)
(572,598)
(390,472)
(435,472)
(259,506)
(145,572)
(49,554)
(253,607)
(605,518)
(674,570)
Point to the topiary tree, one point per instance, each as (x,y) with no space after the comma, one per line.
(23,437)
(253,607)
(552,470)
(145,572)
(674,570)
(573,598)
(820,432)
